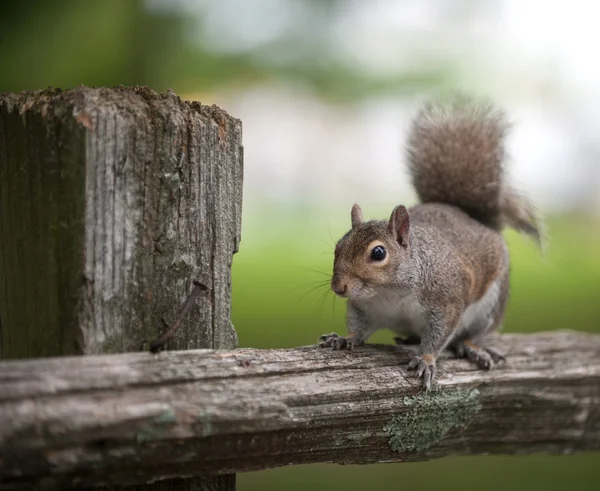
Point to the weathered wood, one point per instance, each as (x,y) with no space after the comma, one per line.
(112,202)
(134,418)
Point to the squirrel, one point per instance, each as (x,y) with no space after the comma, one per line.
(438,273)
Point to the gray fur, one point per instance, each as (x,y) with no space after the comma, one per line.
(445,278)
(456,155)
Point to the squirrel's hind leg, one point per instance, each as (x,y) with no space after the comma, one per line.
(470,345)
(484,357)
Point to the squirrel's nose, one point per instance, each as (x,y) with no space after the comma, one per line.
(339,287)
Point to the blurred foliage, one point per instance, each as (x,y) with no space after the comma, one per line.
(65,43)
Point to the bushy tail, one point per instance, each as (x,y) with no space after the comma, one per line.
(456,156)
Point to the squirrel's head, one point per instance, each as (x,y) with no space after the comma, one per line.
(371,254)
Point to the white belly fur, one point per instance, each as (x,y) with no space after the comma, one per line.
(401,314)
(404,314)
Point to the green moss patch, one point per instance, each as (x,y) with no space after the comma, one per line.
(430,417)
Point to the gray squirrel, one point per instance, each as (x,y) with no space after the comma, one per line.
(438,273)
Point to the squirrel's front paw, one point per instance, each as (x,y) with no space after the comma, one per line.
(336,342)
(425,367)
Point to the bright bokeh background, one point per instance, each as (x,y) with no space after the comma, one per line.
(325,90)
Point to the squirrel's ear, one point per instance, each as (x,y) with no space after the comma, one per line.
(400,225)
(356,215)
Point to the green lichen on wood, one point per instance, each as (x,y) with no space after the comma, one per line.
(205,420)
(154,431)
(168,416)
(147,434)
(111,345)
(430,417)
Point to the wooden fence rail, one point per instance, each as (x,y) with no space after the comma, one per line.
(136,418)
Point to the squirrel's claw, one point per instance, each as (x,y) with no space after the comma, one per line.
(495,354)
(425,368)
(337,342)
(334,341)
(484,357)
(481,358)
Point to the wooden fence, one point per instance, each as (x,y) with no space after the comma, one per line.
(113,205)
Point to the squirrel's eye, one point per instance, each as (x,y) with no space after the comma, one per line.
(378,253)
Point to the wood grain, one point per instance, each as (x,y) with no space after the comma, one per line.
(134,418)
(112,201)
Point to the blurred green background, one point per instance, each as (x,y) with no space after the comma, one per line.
(221,51)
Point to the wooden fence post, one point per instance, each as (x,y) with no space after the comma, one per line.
(112,202)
